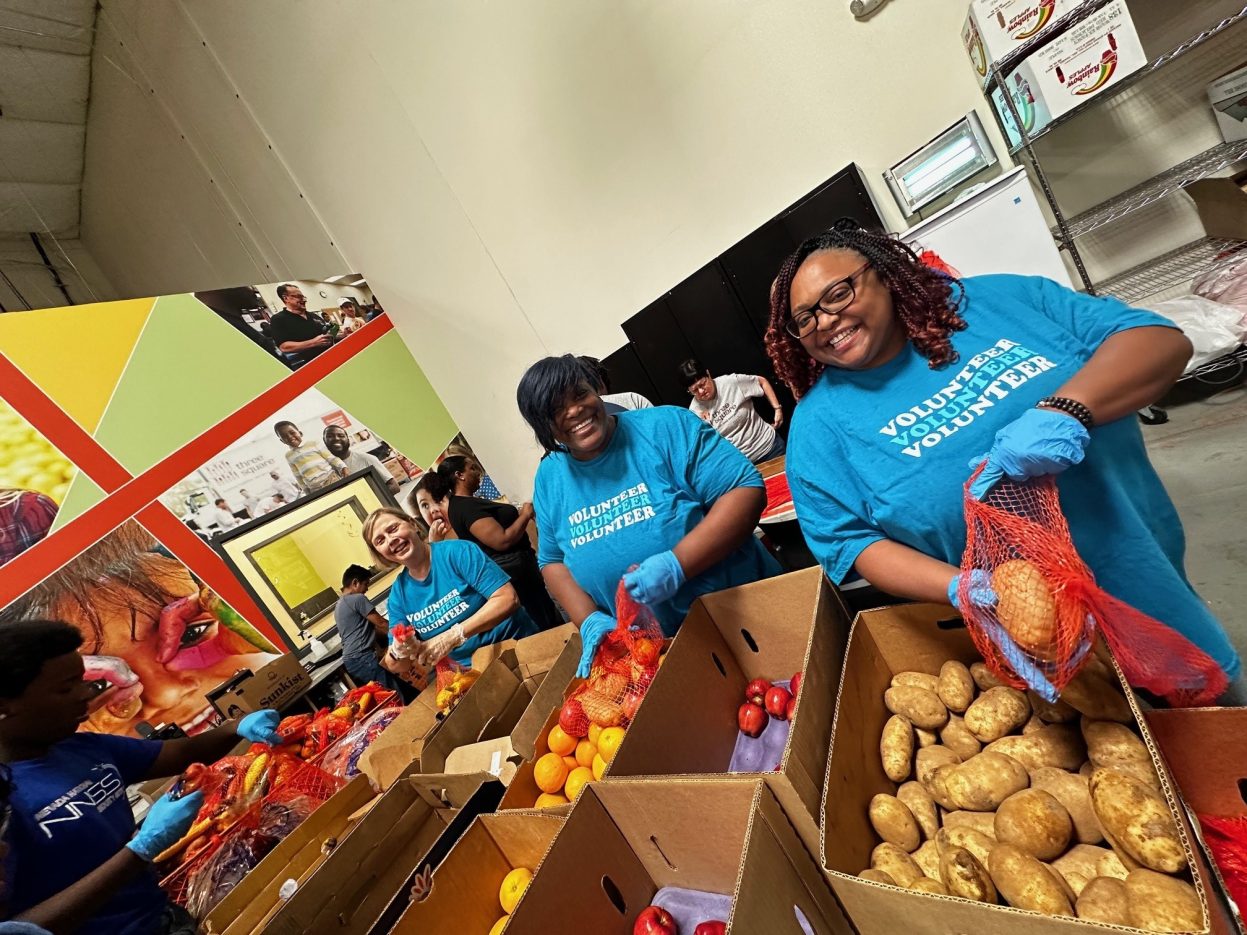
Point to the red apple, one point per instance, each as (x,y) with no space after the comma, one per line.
(751,719)
(795,685)
(791,709)
(654,921)
(756,691)
(777,702)
(711,928)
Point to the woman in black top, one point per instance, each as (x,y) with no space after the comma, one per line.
(502,531)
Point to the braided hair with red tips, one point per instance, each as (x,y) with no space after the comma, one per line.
(924,300)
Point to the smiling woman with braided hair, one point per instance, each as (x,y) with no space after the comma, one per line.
(907,376)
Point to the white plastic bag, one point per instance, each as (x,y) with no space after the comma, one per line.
(1213,328)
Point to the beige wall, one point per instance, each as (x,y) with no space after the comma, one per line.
(514,178)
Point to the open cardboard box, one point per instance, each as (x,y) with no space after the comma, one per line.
(919,637)
(769,629)
(1222,206)
(522,789)
(274,685)
(625,841)
(367,875)
(464,895)
(495,706)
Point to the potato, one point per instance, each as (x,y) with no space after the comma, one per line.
(877,876)
(983,677)
(957,737)
(965,876)
(931,758)
(894,822)
(977,843)
(1072,792)
(982,782)
(1058,745)
(1078,865)
(1026,609)
(955,686)
(928,885)
(1138,820)
(982,822)
(927,858)
(920,804)
(895,862)
(923,708)
(926,738)
(1036,822)
(1035,723)
(1110,865)
(996,712)
(1097,698)
(1061,882)
(937,785)
(1116,746)
(1162,904)
(1104,899)
(1057,712)
(916,679)
(1026,883)
(896,747)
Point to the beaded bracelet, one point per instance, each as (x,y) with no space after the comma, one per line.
(1070,407)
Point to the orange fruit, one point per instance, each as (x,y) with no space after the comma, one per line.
(550,799)
(585,752)
(550,772)
(571,762)
(609,742)
(594,731)
(559,742)
(513,886)
(599,766)
(500,925)
(576,781)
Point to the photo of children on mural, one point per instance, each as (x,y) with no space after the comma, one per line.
(155,639)
(34,479)
(306,447)
(299,320)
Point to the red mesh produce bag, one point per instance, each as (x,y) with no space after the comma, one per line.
(1051,607)
(1226,837)
(623,667)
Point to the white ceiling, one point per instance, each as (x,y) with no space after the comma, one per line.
(45,80)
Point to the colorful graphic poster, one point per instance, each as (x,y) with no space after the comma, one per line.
(34,481)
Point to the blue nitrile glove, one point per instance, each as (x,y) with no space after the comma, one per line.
(260,727)
(592,632)
(165,824)
(1039,442)
(981,592)
(655,580)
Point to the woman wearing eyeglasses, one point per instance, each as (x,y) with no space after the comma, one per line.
(907,377)
(726,403)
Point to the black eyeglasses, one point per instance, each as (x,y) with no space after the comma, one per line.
(837,297)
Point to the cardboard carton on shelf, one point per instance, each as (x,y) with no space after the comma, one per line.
(492,708)
(1027,98)
(885,641)
(623,842)
(274,685)
(770,629)
(465,892)
(1228,96)
(367,875)
(1222,206)
(995,28)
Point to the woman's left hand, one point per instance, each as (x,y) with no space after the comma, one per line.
(1040,442)
(779,418)
(434,650)
(655,580)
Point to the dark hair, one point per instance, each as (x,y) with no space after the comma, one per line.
(280,425)
(925,301)
(449,467)
(691,371)
(220,500)
(543,388)
(284,288)
(25,645)
(439,485)
(354,573)
(604,378)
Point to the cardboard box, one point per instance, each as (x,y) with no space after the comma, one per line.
(275,685)
(367,875)
(1088,59)
(917,637)
(494,707)
(623,842)
(769,629)
(1228,96)
(1028,100)
(498,758)
(1222,206)
(464,896)
(995,28)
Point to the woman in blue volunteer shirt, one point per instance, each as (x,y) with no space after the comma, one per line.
(455,598)
(658,487)
(74,862)
(906,376)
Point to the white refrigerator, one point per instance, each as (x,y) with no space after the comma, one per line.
(998,229)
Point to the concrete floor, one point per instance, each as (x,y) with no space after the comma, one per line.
(1201,454)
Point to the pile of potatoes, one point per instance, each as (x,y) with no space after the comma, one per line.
(1004,798)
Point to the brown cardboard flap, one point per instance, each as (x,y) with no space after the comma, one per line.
(548,696)
(522,790)
(400,744)
(445,790)
(496,758)
(489,709)
(1204,750)
(1222,206)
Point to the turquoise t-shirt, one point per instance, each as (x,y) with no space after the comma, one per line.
(882,453)
(460,581)
(661,473)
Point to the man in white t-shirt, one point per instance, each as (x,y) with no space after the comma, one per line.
(338,444)
(250,503)
(725,403)
(221,515)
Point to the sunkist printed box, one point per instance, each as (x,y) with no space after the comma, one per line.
(1088,59)
(994,28)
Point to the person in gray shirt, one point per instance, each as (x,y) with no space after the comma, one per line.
(364,633)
